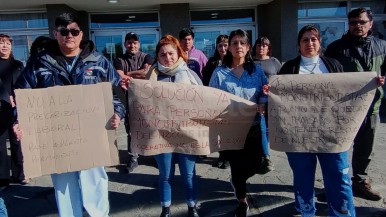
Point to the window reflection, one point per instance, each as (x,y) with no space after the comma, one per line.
(22,44)
(322,9)
(23,21)
(124,20)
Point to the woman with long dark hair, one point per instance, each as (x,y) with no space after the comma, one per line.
(335,166)
(240,76)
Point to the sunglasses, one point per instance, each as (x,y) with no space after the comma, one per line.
(356,22)
(65,32)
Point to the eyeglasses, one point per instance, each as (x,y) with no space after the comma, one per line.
(65,32)
(356,22)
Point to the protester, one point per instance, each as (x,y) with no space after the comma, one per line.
(261,52)
(10,70)
(133,63)
(239,75)
(197,59)
(358,50)
(216,60)
(69,61)
(213,62)
(335,166)
(171,66)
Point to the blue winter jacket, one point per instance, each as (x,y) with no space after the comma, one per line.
(50,69)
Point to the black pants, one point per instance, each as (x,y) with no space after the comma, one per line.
(363,148)
(245,162)
(6,122)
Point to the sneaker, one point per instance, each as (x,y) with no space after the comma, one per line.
(363,190)
(165,212)
(219,164)
(131,166)
(266,166)
(242,210)
(225,164)
(25,181)
(192,212)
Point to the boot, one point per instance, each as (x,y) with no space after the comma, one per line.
(242,209)
(192,212)
(363,190)
(165,212)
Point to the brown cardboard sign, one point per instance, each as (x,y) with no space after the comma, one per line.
(66,128)
(318,113)
(170,117)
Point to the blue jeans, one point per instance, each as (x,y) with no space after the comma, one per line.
(86,189)
(166,166)
(264,136)
(3,209)
(337,182)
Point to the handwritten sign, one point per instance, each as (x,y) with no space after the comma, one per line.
(65,128)
(318,113)
(169,117)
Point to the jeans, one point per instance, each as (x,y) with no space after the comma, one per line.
(3,209)
(86,189)
(166,166)
(264,136)
(335,170)
(363,148)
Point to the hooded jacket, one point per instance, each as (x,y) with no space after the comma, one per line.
(359,54)
(50,69)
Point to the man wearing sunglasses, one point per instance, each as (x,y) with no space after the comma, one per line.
(360,51)
(70,61)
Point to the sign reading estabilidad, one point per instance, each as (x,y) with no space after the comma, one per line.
(170,117)
(318,113)
(66,128)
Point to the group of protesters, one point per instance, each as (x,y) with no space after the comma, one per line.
(236,67)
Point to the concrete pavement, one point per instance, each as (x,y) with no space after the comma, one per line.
(136,194)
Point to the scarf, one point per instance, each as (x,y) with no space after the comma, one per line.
(180,72)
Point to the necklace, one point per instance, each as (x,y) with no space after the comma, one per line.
(313,67)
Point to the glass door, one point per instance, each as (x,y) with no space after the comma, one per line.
(205,37)
(22,41)
(111,42)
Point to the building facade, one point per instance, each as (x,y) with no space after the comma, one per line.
(107,23)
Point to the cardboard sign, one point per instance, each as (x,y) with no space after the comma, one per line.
(66,128)
(170,117)
(318,113)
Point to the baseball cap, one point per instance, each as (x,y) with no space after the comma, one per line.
(131,35)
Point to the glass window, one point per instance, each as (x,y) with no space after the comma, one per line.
(376,6)
(222,16)
(322,9)
(110,46)
(206,42)
(329,31)
(148,43)
(23,21)
(22,44)
(124,20)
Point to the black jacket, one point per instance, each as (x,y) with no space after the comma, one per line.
(359,54)
(8,78)
(292,66)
